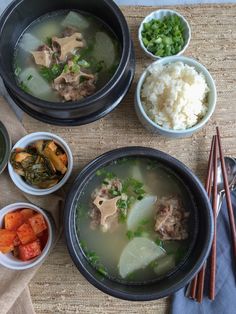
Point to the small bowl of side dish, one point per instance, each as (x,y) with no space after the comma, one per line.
(164,33)
(40,163)
(26,235)
(5,146)
(175,96)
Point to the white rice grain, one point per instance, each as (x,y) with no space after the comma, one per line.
(175,95)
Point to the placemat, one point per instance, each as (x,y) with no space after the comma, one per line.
(58,287)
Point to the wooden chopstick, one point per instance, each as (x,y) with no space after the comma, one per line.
(193,287)
(227,194)
(197,284)
(214,207)
(201,275)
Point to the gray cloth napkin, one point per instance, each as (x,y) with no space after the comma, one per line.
(225,298)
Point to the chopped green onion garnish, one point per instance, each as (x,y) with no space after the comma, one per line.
(164,37)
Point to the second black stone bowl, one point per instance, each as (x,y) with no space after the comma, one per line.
(201,227)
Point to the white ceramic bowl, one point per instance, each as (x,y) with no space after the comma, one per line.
(29,139)
(151,125)
(8,260)
(157,15)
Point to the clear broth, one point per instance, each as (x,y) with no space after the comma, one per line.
(50,25)
(159,181)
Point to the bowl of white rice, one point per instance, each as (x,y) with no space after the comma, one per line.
(175,96)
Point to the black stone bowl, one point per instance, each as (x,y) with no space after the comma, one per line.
(19,15)
(5,147)
(201,229)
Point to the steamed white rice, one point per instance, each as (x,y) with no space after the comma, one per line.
(175,95)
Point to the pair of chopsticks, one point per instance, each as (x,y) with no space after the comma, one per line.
(196,287)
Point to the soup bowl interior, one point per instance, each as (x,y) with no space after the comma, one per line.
(201,225)
(22,13)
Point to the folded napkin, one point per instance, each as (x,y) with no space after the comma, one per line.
(14,293)
(225,297)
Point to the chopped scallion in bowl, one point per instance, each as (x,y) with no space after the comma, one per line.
(164,33)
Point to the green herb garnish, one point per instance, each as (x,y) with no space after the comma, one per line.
(145,222)
(82,211)
(141,231)
(94,259)
(123,210)
(133,187)
(66,68)
(48,41)
(99,66)
(130,234)
(85,52)
(106,174)
(49,74)
(24,87)
(114,192)
(159,242)
(164,37)
(75,58)
(29,78)
(75,68)
(83,64)
(17,70)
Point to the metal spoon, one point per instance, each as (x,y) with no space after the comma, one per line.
(230,164)
(233,186)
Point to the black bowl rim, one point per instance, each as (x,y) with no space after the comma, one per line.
(101,161)
(90,99)
(7,140)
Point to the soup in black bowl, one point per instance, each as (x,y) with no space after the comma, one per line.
(66,56)
(66,62)
(138,223)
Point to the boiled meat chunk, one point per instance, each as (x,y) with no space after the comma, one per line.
(105,212)
(171,219)
(43,56)
(66,45)
(107,208)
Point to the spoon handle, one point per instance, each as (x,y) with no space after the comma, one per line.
(228,196)
(220,197)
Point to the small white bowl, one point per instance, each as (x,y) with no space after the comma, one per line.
(9,260)
(157,15)
(26,141)
(154,127)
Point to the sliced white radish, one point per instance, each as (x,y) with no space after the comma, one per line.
(29,42)
(165,264)
(138,254)
(104,49)
(136,173)
(75,20)
(47,30)
(34,82)
(143,209)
